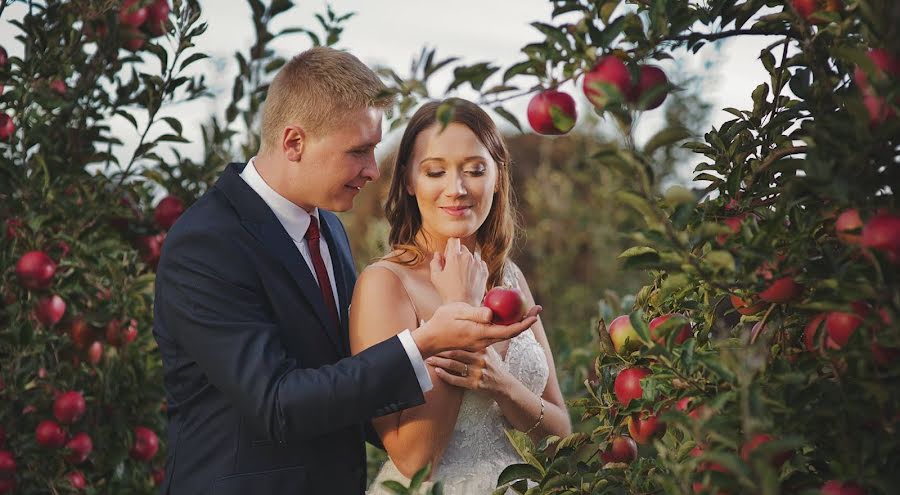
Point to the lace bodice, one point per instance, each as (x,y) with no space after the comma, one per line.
(478,449)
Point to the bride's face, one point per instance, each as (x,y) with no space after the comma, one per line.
(453,178)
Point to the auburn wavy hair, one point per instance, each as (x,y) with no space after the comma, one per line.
(496,235)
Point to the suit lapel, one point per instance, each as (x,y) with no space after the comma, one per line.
(262,223)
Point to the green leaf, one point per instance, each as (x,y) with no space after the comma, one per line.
(561,121)
(517,472)
(720,261)
(419,477)
(395,487)
(666,137)
(445,113)
(173,123)
(509,117)
(519,68)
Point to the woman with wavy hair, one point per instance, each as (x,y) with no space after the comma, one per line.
(450,202)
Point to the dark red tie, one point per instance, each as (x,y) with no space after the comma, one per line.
(312,239)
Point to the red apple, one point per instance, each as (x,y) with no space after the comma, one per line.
(2,434)
(158,475)
(841,325)
(628,384)
(643,426)
(150,247)
(4,58)
(621,449)
(145,444)
(157,17)
(49,434)
(624,337)
(835,487)
(7,127)
(132,39)
(58,87)
(847,226)
(69,407)
(683,333)
(7,485)
(745,307)
(886,66)
(651,89)
(132,14)
(609,82)
(80,333)
(76,478)
(130,332)
(7,463)
(552,112)
(777,459)
(35,270)
(805,8)
(95,352)
(507,305)
(734,225)
(80,446)
(811,330)
(167,211)
(783,290)
(879,111)
(882,232)
(13,228)
(50,310)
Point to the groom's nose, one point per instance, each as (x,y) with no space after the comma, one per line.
(370,171)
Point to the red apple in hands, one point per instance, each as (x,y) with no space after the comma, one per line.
(609,82)
(157,17)
(69,407)
(683,333)
(49,434)
(841,325)
(643,426)
(167,211)
(835,487)
(628,384)
(507,305)
(847,226)
(651,89)
(145,444)
(7,127)
(35,270)
(782,290)
(624,337)
(552,112)
(80,447)
(621,449)
(777,459)
(50,310)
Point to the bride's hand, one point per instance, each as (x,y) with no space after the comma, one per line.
(458,275)
(481,370)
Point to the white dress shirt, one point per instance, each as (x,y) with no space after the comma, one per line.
(296,221)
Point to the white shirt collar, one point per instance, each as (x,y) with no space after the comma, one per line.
(294,218)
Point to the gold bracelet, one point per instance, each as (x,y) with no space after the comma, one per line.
(540,418)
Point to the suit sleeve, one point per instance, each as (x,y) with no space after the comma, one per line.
(225,326)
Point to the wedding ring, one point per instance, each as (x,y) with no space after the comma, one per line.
(465,370)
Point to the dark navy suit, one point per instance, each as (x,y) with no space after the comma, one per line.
(262,396)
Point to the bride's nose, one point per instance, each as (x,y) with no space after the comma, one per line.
(456,185)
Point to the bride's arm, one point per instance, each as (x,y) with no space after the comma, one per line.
(521,407)
(413,437)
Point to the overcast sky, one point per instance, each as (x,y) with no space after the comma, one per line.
(392,32)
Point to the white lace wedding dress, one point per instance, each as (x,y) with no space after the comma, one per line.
(478,449)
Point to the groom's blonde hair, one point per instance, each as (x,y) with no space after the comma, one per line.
(315,90)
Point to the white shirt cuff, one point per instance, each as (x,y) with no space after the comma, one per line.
(415,358)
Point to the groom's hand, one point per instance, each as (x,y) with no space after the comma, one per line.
(461,326)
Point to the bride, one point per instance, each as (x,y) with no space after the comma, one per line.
(449,198)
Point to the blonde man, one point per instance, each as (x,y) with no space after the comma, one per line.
(252,298)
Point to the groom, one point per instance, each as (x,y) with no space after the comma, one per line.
(252,296)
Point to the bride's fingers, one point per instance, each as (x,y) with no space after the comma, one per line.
(455,380)
(455,367)
(461,355)
(436,263)
(452,247)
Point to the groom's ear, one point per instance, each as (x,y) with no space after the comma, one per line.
(293,141)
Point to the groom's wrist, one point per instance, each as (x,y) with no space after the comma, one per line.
(423,336)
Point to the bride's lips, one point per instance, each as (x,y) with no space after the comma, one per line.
(456,211)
